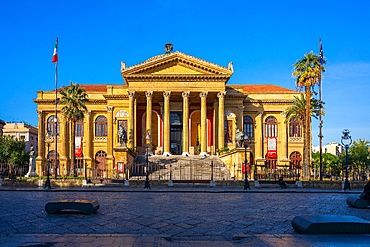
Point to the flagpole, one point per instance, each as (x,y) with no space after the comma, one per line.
(56,118)
(320,107)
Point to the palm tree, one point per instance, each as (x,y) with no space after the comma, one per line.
(308,73)
(74,99)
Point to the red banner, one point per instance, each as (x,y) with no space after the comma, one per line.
(272,148)
(78,146)
(248,168)
(120,167)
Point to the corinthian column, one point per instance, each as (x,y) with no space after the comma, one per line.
(110,132)
(40,143)
(149,97)
(88,135)
(131,133)
(185,122)
(203,122)
(221,119)
(166,123)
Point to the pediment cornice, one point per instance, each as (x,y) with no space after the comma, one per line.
(157,62)
(176,78)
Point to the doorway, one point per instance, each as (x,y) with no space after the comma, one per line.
(176,132)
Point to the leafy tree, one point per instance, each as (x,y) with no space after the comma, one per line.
(308,73)
(12,153)
(332,165)
(359,155)
(74,99)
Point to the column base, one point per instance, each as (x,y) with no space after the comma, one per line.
(166,154)
(204,154)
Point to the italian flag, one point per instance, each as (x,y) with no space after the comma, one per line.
(55,54)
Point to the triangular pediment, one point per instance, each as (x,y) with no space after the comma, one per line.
(176,63)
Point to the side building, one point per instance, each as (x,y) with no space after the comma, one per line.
(22,131)
(174,104)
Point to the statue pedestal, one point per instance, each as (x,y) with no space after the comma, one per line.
(30,174)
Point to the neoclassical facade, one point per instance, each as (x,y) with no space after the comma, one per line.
(172,104)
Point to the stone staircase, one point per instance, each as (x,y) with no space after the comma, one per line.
(179,167)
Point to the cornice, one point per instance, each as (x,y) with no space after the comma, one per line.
(270,102)
(235,96)
(115,97)
(176,78)
(52,102)
(177,56)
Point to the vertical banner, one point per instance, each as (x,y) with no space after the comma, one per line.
(120,167)
(272,148)
(78,146)
(248,167)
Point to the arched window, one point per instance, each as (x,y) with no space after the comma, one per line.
(295,129)
(271,129)
(53,126)
(101,126)
(79,128)
(248,126)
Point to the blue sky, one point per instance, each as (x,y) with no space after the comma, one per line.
(262,38)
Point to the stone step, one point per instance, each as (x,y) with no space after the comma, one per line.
(330,224)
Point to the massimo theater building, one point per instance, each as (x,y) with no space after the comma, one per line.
(173,105)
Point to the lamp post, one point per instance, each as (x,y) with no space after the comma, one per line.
(147,184)
(85,170)
(346,142)
(246,182)
(47,183)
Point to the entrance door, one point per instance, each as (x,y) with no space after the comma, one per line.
(176,132)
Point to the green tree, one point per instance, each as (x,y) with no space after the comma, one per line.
(308,73)
(359,156)
(12,153)
(331,163)
(74,100)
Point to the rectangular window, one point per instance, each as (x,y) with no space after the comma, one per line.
(79,129)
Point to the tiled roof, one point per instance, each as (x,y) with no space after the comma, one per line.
(266,88)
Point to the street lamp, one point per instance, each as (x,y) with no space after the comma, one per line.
(346,142)
(147,184)
(246,182)
(47,183)
(85,171)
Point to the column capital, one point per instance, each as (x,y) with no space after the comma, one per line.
(167,94)
(203,94)
(131,94)
(240,109)
(221,95)
(110,108)
(39,112)
(186,94)
(149,94)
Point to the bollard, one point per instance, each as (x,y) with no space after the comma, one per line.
(41,182)
(257,183)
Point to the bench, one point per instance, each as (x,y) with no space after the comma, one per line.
(330,224)
(357,202)
(82,206)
